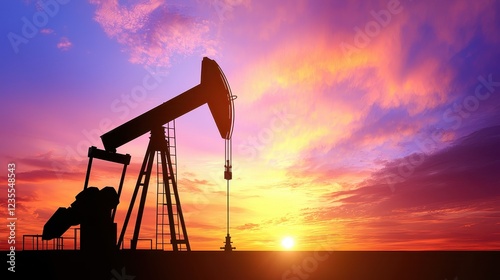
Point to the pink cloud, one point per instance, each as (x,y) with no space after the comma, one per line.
(151,33)
(46,31)
(224,9)
(64,44)
(366,106)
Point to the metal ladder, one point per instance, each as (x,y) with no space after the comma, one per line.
(164,237)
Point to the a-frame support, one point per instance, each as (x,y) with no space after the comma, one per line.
(112,157)
(158,143)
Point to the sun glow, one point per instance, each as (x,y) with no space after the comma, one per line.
(287,242)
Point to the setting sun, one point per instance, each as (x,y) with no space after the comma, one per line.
(287,242)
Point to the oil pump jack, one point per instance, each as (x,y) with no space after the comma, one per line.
(95,209)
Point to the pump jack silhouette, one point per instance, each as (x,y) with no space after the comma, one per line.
(95,210)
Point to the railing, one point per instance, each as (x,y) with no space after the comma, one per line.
(35,242)
(144,239)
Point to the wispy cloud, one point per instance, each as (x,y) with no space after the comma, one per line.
(47,31)
(365,106)
(151,32)
(248,226)
(64,44)
(452,192)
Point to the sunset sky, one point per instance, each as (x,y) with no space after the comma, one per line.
(360,125)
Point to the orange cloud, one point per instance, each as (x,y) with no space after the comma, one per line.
(330,93)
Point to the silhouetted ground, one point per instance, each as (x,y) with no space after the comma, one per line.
(239,265)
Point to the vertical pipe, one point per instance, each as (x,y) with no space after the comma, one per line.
(119,191)
(87,176)
(228,174)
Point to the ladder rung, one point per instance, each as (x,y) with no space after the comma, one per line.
(167,180)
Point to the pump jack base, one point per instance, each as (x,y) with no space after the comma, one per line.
(227,247)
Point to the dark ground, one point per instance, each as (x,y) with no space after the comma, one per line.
(145,264)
